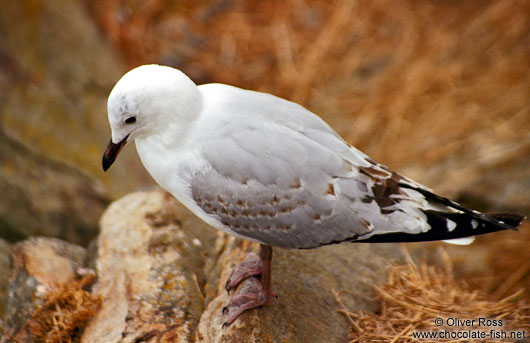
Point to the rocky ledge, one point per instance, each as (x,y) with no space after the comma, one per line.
(156,274)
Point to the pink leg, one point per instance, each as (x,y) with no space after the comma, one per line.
(253,293)
(251,266)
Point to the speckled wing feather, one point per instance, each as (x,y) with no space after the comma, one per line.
(291,191)
(277,188)
(293,182)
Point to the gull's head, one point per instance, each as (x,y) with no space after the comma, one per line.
(146,101)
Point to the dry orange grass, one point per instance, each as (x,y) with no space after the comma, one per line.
(507,265)
(62,317)
(415,295)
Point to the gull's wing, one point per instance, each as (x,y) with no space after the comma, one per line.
(289,183)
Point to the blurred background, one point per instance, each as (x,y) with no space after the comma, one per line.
(437,90)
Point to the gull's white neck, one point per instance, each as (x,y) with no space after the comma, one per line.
(168,158)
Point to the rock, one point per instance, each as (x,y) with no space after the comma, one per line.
(304,309)
(56,72)
(161,273)
(160,277)
(5,253)
(41,267)
(45,197)
(149,263)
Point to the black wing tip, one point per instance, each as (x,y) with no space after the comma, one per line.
(512,219)
(467,225)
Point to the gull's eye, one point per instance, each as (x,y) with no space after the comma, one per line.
(130,120)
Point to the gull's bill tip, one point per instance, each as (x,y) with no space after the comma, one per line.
(111,152)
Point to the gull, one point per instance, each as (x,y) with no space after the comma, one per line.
(268,170)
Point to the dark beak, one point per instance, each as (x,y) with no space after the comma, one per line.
(112,152)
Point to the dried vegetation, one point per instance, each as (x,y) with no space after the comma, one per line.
(64,314)
(417,295)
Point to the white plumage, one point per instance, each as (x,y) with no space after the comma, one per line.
(266,169)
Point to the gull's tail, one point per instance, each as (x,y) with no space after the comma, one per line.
(466,225)
(451,224)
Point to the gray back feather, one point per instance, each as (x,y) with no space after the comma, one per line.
(285,178)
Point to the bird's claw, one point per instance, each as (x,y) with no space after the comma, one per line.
(252,295)
(251,266)
(254,276)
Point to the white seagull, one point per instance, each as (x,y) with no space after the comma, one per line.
(268,170)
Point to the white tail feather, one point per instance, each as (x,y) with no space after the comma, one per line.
(460,241)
